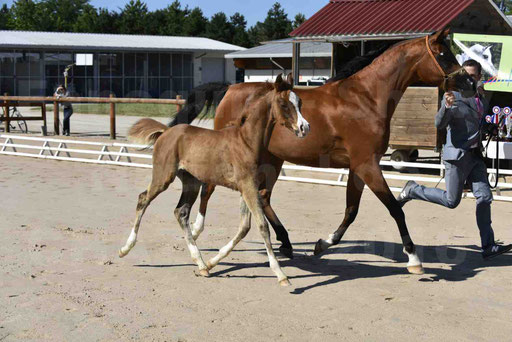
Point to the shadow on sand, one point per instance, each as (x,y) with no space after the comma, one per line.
(465,262)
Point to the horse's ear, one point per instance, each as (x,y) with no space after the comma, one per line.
(278,82)
(289,79)
(441,35)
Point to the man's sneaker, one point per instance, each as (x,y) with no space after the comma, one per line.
(495,250)
(404,194)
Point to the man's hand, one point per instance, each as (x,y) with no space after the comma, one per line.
(449,99)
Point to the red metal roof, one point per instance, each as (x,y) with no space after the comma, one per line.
(376,17)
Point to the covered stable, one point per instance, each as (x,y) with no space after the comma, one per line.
(263,63)
(33,64)
(355,27)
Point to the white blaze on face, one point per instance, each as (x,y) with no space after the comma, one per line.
(302,124)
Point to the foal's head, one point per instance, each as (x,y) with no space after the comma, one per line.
(440,67)
(286,107)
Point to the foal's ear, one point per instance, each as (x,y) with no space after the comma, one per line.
(289,79)
(278,82)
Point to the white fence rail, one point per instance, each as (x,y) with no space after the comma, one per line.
(138,156)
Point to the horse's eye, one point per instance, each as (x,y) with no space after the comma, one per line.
(485,56)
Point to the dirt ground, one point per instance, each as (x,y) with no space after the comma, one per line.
(61,280)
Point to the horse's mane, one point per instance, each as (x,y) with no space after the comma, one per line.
(358,63)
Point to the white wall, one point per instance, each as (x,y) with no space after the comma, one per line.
(229,67)
(252,75)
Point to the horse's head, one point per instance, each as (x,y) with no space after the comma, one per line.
(439,67)
(286,107)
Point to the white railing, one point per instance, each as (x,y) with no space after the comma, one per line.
(89,151)
(124,155)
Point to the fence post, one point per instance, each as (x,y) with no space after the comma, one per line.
(43,113)
(178,107)
(56,128)
(6,109)
(112,118)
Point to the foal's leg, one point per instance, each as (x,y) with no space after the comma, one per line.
(243,229)
(159,183)
(198,226)
(250,195)
(189,194)
(371,174)
(355,187)
(270,173)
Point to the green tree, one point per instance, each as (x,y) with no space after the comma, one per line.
(61,15)
(240,36)
(195,23)
(299,20)
(108,22)
(276,26)
(27,15)
(174,19)
(133,18)
(5,17)
(219,28)
(87,21)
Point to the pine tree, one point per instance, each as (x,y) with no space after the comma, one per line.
(174,19)
(195,23)
(219,28)
(87,21)
(240,36)
(5,17)
(299,20)
(507,5)
(133,18)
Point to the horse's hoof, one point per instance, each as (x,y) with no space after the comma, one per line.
(286,251)
(285,282)
(319,248)
(204,273)
(121,254)
(418,269)
(209,266)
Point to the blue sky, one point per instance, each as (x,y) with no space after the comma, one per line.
(253,10)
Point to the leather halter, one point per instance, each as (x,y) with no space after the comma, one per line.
(429,49)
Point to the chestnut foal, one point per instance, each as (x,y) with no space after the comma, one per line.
(227,157)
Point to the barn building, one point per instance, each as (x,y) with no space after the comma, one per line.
(33,63)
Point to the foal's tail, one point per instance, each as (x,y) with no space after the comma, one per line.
(209,94)
(146,131)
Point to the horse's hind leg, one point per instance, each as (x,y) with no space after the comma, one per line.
(250,195)
(355,187)
(371,174)
(189,194)
(243,229)
(198,226)
(158,185)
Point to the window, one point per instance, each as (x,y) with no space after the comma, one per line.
(84,59)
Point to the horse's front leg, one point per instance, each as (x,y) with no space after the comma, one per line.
(251,198)
(198,225)
(371,174)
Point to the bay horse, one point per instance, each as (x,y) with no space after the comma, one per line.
(227,157)
(350,121)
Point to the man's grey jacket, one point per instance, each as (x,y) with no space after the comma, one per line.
(463,123)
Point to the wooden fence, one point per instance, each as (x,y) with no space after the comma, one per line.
(7,102)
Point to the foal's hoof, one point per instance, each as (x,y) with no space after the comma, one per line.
(285,282)
(204,273)
(121,254)
(418,269)
(286,251)
(320,247)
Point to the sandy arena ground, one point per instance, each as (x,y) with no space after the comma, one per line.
(61,280)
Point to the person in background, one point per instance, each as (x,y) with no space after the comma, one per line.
(68,108)
(463,118)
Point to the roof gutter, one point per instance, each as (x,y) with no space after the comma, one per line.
(346,38)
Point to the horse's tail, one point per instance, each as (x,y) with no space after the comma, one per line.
(209,94)
(146,131)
